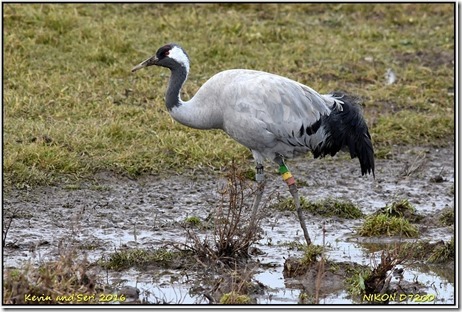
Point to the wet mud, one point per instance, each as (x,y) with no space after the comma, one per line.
(114,212)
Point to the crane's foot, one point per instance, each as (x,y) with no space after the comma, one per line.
(290,180)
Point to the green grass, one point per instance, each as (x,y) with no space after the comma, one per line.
(72,108)
(141,258)
(395,219)
(193,221)
(447,217)
(443,253)
(401,209)
(234,298)
(355,283)
(428,252)
(392,220)
(310,254)
(381,224)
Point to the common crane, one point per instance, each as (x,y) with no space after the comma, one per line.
(275,117)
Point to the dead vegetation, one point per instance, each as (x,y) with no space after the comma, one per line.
(52,282)
(232,235)
(415,166)
(222,247)
(378,282)
(236,286)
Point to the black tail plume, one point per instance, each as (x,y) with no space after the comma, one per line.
(347,129)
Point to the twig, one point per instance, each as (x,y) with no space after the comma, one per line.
(414,166)
(8,225)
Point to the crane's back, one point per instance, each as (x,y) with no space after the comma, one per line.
(243,91)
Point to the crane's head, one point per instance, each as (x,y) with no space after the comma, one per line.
(171,56)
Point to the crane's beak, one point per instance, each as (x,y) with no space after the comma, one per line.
(149,62)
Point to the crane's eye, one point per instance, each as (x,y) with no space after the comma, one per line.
(166,53)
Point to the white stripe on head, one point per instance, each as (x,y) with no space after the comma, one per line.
(180,56)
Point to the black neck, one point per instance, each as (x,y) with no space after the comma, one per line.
(177,79)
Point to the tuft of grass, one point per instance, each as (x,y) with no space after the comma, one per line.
(392,220)
(312,258)
(311,253)
(443,252)
(250,174)
(71,106)
(328,207)
(416,250)
(193,221)
(381,224)
(401,209)
(293,245)
(428,252)
(447,217)
(234,298)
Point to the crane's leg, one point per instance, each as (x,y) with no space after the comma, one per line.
(290,180)
(260,178)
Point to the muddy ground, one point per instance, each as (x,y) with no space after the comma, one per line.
(113,212)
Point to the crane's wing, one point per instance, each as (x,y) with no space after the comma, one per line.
(290,112)
(275,116)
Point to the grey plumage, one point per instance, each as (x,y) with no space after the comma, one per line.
(275,117)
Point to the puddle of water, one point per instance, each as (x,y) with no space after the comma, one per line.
(166,291)
(276,292)
(274,257)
